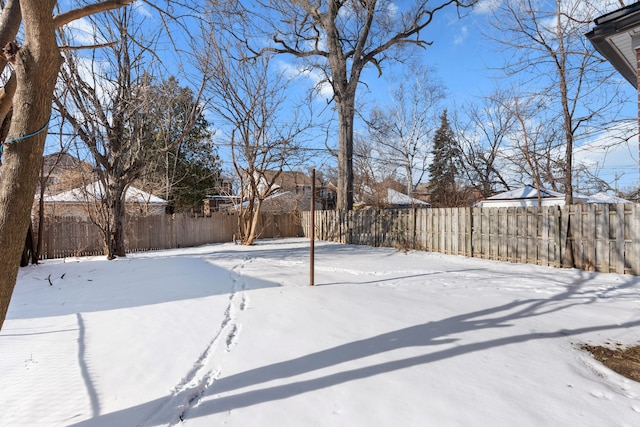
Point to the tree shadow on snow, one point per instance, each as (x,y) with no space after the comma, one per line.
(91,286)
(218,398)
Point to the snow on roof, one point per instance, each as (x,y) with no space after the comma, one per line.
(606,198)
(526,192)
(272,196)
(530,193)
(95,191)
(397,198)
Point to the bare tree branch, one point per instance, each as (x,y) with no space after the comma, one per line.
(340,39)
(90,9)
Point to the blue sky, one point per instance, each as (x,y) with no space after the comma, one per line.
(467,63)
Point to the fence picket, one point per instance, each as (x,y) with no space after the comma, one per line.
(605,238)
(68,236)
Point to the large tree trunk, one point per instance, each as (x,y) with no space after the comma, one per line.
(255,220)
(118,217)
(345,154)
(36,66)
(29,248)
(36,255)
(112,221)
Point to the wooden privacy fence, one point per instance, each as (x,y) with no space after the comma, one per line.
(67,236)
(600,237)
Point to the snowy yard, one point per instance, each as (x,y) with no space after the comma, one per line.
(225,334)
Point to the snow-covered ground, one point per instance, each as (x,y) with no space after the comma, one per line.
(233,335)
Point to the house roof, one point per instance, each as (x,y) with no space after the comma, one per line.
(615,36)
(526,192)
(95,190)
(529,193)
(289,179)
(59,160)
(397,198)
(371,196)
(273,196)
(606,198)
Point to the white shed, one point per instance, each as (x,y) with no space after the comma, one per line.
(606,198)
(528,196)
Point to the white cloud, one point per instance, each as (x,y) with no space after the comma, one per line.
(142,9)
(314,76)
(92,72)
(82,32)
(613,154)
(485,7)
(582,13)
(392,8)
(461,35)
(290,71)
(322,86)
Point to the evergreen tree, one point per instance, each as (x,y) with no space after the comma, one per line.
(194,169)
(187,172)
(443,170)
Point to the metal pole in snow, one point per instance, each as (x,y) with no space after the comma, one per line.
(313,226)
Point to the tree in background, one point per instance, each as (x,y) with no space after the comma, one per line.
(123,114)
(533,144)
(483,136)
(194,173)
(443,170)
(25,107)
(339,39)
(371,173)
(60,171)
(558,66)
(264,127)
(403,132)
(188,171)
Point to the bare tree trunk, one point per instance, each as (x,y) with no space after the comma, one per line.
(38,250)
(253,227)
(345,155)
(119,215)
(110,217)
(349,36)
(35,69)
(408,170)
(29,248)
(36,66)
(569,137)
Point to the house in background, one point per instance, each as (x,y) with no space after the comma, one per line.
(290,192)
(286,202)
(61,172)
(65,195)
(78,202)
(223,199)
(388,198)
(422,192)
(219,203)
(606,198)
(398,200)
(298,184)
(528,196)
